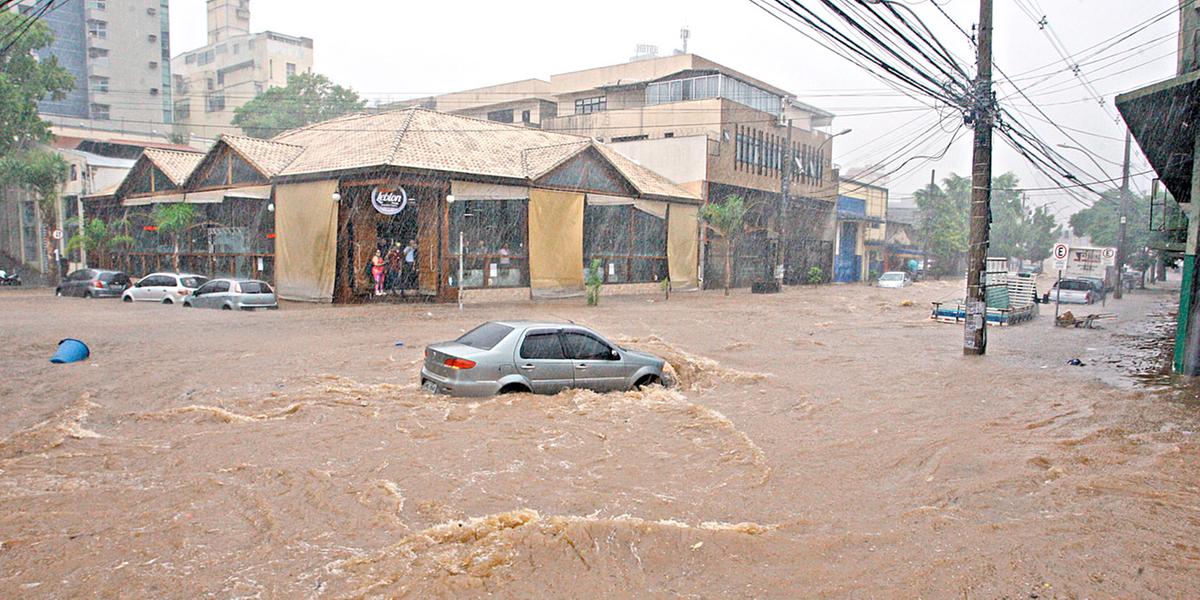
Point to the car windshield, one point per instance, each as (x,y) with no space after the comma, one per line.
(892,277)
(486,336)
(1079,286)
(192,282)
(254,287)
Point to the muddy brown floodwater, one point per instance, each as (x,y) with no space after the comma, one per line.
(826,442)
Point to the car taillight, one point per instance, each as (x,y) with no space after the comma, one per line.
(459,363)
(183,292)
(98,284)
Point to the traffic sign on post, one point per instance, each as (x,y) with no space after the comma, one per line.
(1108,257)
(1060,256)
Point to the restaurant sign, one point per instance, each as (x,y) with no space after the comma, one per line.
(391,202)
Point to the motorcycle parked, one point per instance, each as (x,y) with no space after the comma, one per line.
(10,279)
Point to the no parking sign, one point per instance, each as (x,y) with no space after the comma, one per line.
(1060,256)
(1109,257)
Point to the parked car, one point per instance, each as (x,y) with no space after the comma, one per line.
(93,283)
(1102,288)
(1072,291)
(544,358)
(232,294)
(894,279)
(167,288)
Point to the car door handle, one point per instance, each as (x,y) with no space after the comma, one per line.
(528,367)
(580,366)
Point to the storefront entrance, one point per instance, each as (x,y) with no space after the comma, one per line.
(401,224)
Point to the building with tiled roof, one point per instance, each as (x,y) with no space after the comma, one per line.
(525,209)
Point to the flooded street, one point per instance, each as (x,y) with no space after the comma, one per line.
(828,441)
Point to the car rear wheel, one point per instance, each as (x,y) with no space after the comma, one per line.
(58,292)
(514,388)
(87,295)
(167,301)
(126,298)
(227,307)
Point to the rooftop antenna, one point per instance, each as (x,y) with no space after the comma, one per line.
(684,34)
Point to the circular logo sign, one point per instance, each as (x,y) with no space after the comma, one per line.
(1060,251)
(389,203)
(57,234)
(1110,253)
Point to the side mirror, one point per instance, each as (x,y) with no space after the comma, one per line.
(614,354)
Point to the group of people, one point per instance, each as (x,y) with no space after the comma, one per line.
(395,269)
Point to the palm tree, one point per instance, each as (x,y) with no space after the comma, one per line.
(98,237)
(174,219)
(727,218)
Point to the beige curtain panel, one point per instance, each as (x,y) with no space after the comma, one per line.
(305,240)
(555,242)
(683,246)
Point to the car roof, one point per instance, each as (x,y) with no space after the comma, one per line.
(526,324)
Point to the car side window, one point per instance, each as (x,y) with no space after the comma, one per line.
(220,286)
(542,346)
(581,346)
(81,275)
(207,288)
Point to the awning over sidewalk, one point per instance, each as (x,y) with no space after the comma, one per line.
(1161,118)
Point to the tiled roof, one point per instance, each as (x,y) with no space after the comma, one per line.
(265,155)
(175,164)
(647,182)
(421,139)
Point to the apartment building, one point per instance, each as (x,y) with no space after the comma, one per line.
(709,128)
(213,81)
(119,54)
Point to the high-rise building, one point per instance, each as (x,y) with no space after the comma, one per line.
(213,81)
(119,53)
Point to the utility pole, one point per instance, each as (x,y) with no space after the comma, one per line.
(975,323)
(784,190)
(1124,211)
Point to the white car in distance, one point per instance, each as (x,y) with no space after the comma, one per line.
(165,288)
(894,279)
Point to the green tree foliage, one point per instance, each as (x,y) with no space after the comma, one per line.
(98,237)
(1018,231)
(727,218)
(307,98)
(1099,222)
(943,227)
(25,80)
(174,219)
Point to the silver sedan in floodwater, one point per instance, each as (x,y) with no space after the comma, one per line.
(232,294)
(544,358)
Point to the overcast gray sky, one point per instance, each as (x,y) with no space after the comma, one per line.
(393,49)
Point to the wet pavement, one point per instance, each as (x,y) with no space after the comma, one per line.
(827,441)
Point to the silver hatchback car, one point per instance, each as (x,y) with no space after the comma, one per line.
(232,294)
(545,358)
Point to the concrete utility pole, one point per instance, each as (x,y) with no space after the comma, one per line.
(975,324)
(784,189)
(1124,211)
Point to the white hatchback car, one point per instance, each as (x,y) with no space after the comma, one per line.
(166,288)
(894,279)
